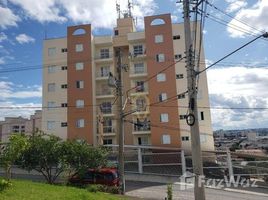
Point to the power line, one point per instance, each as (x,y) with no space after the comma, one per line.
(265,35)
(232,17)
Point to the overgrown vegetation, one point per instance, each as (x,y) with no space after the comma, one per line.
(169,192)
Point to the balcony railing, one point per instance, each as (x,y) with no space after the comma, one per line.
(103,92)
(103,56)
(102,74)
(141,128)
(108,129)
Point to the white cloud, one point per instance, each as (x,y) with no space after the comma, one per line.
(101,13)
(9,90)
(7,18)
(256,16)
(238,87)
(15,110)
(3,37)
(23,38)
(42,11)
(235,5)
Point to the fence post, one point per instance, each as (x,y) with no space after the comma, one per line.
(140,160)
(229,163)
(183,162)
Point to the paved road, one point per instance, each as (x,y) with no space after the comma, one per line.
(154,191)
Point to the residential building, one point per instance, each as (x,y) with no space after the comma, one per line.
(79,104)
(12,125)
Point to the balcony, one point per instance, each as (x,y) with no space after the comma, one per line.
(104,93)
(102,75)
(140,90)
(137,55)
(141,129)
(138,72)
(108,111)
(104,58)
(108,131)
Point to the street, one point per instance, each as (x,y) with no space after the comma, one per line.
(155,191)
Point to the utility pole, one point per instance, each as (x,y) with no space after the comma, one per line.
(192,117)
(120,123)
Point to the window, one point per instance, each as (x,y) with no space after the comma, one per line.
(141,104)
(137,50)
(177,56)
(63,67)
(52,51)
(143,140)
(116,32)
(50,105)
(51,87)
(161,77)
(63,124)
(138,68)
(51,69)
(80,84)
(157,21)
(80,103)
(106,107)
(160,57)
(104,53)
(79,66)
(202,115)
(164,117)
(80,123)
(107,141)
(104,71)
(64,105)
(183,117)
(176,37)
(181,96)
(139,86)
(158,38)
(166,139)
(64,50)
(79,47)
(185,138)
(64,86)
(107,125)
(162,97)
(50,125)
(179,76)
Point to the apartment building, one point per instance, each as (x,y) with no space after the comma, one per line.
(13,125)
(80,104)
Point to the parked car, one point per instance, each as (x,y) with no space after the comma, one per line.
(104,176)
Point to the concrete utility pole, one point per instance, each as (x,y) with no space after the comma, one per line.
(121,123)
(192,117)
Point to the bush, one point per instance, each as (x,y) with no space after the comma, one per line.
(4,184)
(112,189)
(96,188)
(103,188)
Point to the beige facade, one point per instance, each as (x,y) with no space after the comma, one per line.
(92,110)
(54,113)
(13,125)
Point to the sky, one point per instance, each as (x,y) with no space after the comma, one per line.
(240,81)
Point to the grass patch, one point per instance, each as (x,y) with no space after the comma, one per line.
(27,190)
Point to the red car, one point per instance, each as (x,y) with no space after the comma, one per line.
(104,176)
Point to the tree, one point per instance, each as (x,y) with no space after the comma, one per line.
(79,156)
(11,152)
(44,155)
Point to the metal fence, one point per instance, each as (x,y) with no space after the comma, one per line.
(174,162)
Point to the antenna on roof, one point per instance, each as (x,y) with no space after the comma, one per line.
(129,6)
(45,34)
(118,10)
